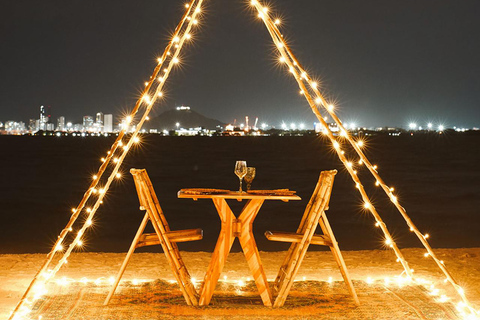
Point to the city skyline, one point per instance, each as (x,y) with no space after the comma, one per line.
(383,64)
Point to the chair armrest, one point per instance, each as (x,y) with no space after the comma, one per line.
(293,237)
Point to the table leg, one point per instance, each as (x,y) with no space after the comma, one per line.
(249,246)
(222,249)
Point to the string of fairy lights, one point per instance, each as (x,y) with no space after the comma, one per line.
(128,138)
(114,157)
(309,88)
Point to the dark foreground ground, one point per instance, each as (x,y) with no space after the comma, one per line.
(436,176)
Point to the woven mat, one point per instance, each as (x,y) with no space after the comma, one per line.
(307,300)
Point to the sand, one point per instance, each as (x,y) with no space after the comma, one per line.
(17,270)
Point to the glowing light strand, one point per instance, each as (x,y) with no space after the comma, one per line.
(76,212)
(292,62)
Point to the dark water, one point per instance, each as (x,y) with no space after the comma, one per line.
(436,177)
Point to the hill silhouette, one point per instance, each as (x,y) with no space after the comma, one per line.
(185,118)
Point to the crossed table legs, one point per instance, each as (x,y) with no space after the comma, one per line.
(231,228)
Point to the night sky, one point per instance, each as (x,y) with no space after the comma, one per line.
(382,62)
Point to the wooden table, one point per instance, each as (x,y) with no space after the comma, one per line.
(231,228)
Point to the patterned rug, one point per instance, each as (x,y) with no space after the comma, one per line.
(307,300)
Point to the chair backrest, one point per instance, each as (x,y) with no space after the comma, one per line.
(147,197)
(319,198)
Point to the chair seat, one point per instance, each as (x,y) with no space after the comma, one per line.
(291,237)
(151,239)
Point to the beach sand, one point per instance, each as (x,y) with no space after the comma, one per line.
(17,270)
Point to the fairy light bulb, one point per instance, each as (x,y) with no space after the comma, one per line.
(366,205)
(265,9)
(160,94)
(426,254)
(102,159)
(88,222)
(253,2)
(195,21)
(375,167)
(360,143)
(94,177)
(188,36)
(115,160)
(187,5)
(79,243)
(349,164)
(89,210)
(175,60)
(128,119)
(377,183)
(74,210)
(301,92)
(118,175)
(281,59)
(318,100)
(59,247)
(136,140)
(159,60)
(176,39)
(330,107)
(146,83)
(388,241)
(426,236)
(197,10)
(314,84)
(277,21)
(336,145)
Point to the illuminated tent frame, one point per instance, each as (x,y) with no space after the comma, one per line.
(153,91)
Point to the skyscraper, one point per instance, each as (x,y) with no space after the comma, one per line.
(108,123)
(61,124)
(87,123)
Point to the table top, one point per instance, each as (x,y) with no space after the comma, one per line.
(278,194)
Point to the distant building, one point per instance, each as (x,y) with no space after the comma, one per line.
(13,127)
(108,123)
(43,119)
(61,124)
(32,125)
(320,128)
(87,123)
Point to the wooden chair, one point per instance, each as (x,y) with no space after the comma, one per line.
(163,236)
(314,214)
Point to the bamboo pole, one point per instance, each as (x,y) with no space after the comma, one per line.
(110,154)
(293,63)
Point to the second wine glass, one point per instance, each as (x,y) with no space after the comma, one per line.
(240,171)
(249,176)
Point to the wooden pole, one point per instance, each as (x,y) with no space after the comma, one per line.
(286,52)
(293,63)
(40,274)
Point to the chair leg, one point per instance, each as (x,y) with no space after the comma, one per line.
(327,230)
(127,258)
(170,249)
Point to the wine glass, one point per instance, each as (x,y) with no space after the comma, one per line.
(249,176)
(241,171)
